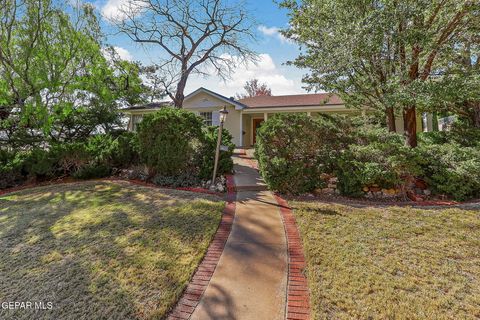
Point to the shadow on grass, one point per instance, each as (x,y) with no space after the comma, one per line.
(102,250)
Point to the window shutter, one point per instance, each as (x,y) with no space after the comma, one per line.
(215,118)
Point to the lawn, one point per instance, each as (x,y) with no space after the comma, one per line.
(100,250)
(391,263)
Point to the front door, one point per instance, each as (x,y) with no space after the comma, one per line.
(256,124)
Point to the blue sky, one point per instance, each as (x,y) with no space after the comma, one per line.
(273,50)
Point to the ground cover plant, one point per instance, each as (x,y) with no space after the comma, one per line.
(102,250)
(391,262)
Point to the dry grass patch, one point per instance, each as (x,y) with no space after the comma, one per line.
(101,250)
(391,263)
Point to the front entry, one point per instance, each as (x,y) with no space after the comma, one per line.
(256,124)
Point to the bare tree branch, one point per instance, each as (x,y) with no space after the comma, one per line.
(202,37)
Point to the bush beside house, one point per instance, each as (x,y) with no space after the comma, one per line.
(294,149)
(174,146)
(299,154)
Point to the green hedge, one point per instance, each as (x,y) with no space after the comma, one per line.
(169,140)
(452,169)
(93,158)
(378,157)
(293,150)
(207,153)
(175,142)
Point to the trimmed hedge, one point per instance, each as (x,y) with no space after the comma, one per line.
(207,153)
(378,158)
(94,158)
(175,142)
(169,140)
(452,169)
(294,149)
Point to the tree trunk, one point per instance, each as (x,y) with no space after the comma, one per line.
(391,120)
(476,115)
(410,125)
(179,94)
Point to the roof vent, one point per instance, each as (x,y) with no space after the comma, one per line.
(232,98)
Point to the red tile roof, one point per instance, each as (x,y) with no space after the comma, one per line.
(299,100)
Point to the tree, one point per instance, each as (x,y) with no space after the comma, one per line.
(455,87)
(254,88)
(377,53)
(196,37)
(57,85)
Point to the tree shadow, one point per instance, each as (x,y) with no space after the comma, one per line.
(102,250)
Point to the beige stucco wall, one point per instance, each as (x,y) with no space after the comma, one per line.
(238,120)
(203,102)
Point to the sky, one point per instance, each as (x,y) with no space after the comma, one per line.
(273,49)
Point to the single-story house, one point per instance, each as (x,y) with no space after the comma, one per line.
(246,115)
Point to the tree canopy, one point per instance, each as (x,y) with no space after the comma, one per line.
(195,37)
(254,88)
(56,83)
(383,53)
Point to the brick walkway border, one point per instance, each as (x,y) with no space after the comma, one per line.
(200,280)
(298,300)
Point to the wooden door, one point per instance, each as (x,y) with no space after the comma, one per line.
(256,124)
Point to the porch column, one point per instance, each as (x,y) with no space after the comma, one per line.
(241,129)
(265,116)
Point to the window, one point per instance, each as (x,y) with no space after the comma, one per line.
(136,119)
(207,118)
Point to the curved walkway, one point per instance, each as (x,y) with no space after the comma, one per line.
(259,274)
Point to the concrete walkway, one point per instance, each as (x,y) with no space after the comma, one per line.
(250,280)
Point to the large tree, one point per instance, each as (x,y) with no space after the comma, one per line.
(195,36)
(378,53)
(55,82)
(254,88)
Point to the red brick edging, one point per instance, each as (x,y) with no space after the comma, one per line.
(298,299)
(200,280)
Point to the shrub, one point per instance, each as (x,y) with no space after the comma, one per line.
(451,169)
(169,140)
(93,170)
(294,149)
(207,153)
(10,169)
(125,150)
(460,134)
(381,160)
(179,181)
(40,163)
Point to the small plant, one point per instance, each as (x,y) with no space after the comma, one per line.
(179,181)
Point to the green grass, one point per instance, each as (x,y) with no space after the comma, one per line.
(102,250)
(391,263)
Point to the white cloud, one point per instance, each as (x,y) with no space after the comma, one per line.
(123,53)
(115,9)
(265,70)
(274,32)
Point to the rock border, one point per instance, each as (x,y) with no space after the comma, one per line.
(198,284)
(298,297)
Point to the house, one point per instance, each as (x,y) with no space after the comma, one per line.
(246,115)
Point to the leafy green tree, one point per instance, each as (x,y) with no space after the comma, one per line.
(379,53)
(57,85)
